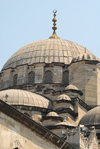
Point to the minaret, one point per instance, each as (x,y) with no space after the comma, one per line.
(54,35)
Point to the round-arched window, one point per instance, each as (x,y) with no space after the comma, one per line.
(48,77)
(31,77)
(65,78)
(15,80)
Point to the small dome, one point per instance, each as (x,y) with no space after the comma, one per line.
(52,114)
(26,98)
(65,123)
(71,87)
(91,118)
(63,97)
(98,64)
(47,51)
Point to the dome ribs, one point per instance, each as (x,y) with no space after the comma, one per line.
(47,51)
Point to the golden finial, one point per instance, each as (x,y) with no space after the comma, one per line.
(54,35)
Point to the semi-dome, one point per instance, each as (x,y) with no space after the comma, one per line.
(24,98)
(91,118)
(47,51)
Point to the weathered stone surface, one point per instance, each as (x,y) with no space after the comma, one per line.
(39,74)
(14,134)
(84,76)
(57,74)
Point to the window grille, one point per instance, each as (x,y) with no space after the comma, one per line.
(48,77)
(15,80)
(31,77)
(65,78)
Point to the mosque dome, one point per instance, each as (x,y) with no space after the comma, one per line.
(46,51)
(71,87)
(49,50)
(63,97)
(66,124)
(24,98)
(52,114)
(91,118)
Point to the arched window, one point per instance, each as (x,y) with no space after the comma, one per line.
(48,77)
(31,77)
(15,80)
(65,78)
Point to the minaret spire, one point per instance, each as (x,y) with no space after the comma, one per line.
(54,35)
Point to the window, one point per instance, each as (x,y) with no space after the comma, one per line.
(31,77)
(15,80)
(16,148)
(65,78)
(48,77)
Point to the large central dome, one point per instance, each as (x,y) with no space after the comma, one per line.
(47,51)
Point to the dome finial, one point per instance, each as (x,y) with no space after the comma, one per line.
(54,35)
(54,20)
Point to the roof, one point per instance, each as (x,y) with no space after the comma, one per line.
(91,118)
(34,126)
(25,98)
(71,87)
(47,51)
(85,56)
(66,123)
(62,98)
(53,114)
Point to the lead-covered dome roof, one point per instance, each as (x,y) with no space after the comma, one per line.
(24,98)
(63,97)
(71,87)
(91,118)
(48,51)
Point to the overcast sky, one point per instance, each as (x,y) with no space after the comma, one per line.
(25,21)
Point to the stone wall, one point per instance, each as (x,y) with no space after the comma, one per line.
(14,134)
(98,85)
(84,76)
(6,77)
